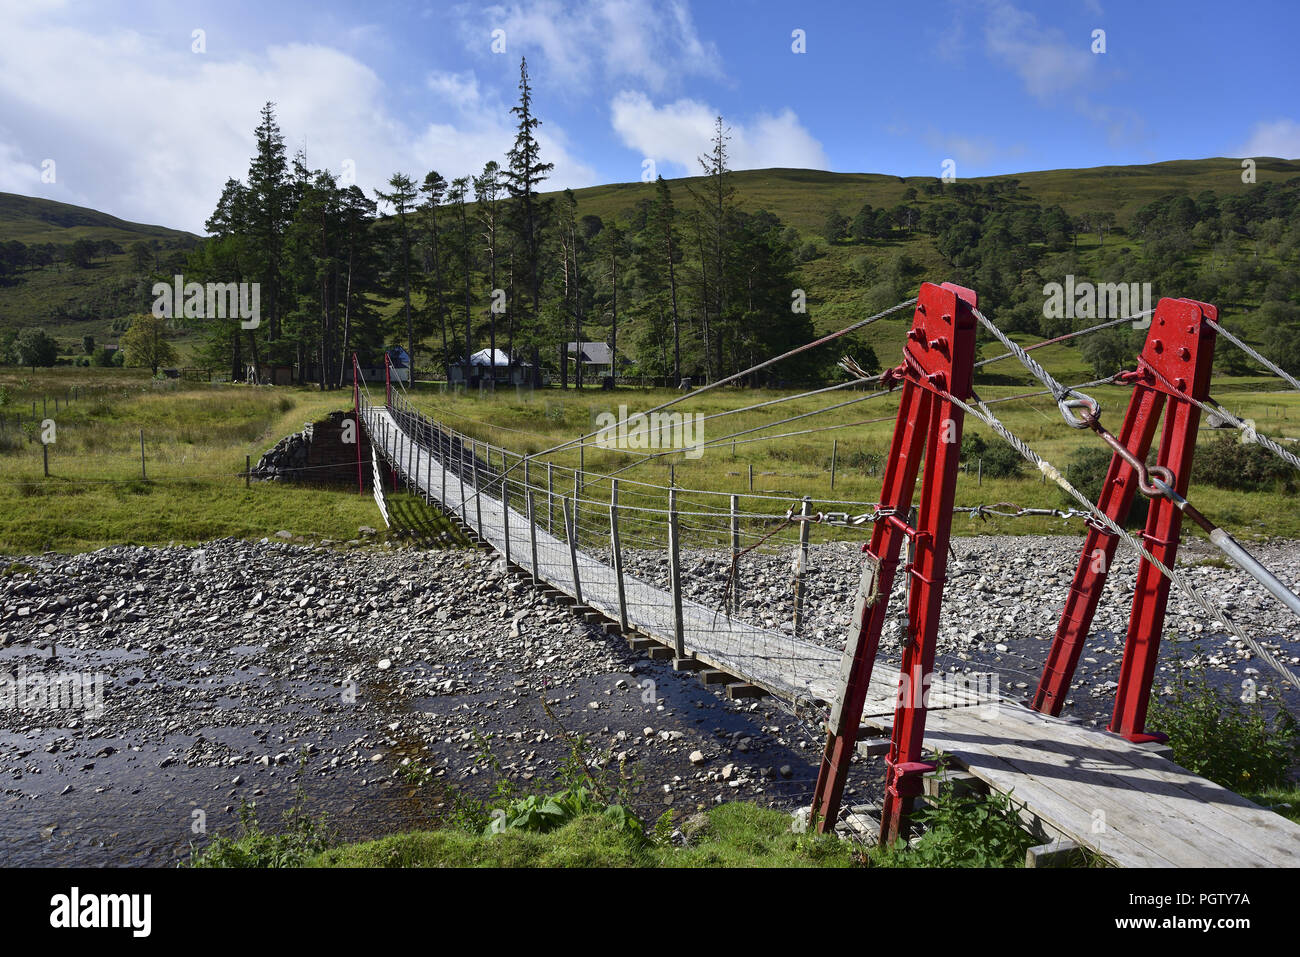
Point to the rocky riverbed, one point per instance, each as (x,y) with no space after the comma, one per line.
(247,671)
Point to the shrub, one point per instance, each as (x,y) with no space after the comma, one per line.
(303,838)
(1230,741)
(1228,463)
(972,447)
(1086,469)
(1002,461)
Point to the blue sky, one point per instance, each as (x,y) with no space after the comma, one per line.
(109,104)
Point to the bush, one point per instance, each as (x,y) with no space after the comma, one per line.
(1225,739)
(1228,463)
(1002,461)
(963,830)
(1086,470)
(972,447)
(303,838)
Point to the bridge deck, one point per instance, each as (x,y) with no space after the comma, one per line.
(1117,798)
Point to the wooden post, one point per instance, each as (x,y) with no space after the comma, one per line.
(805,510)
(751,476)
(45,453)
(735,554)
(248,471)
(532,534)
(617,547)
(505,507)
(142,472)
(571,534)
(675,575)
(979,477)
(835,448)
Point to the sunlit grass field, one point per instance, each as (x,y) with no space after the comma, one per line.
(198,435)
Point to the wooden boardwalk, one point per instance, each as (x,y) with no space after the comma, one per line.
(1121,800)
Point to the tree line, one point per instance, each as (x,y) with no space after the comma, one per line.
(446,266)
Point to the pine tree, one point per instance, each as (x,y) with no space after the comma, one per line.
(402,199)
(525,171)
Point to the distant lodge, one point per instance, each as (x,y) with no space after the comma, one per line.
(488,367)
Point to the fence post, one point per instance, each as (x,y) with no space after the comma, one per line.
(751,476)
(675,575)
(532,534)
(478,490)
(735,554)
(617,547)
(142,472)
(804,526)
(550,498)
(979,476)
(571,534)
(835,448)
(248,471)
(505,507)
(460,473)
(45,453)
(577,498)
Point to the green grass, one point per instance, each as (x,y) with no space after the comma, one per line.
(197,437)
(1283,800)
(736,835)
(790,467)
(196,440)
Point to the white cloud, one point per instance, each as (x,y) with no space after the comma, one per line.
(1280,138)
(679,133)
(150,131)
(655,44)
(1054,68)
(17,173)
(1045,62)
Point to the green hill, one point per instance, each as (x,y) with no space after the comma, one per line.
(842,280)
(31,220)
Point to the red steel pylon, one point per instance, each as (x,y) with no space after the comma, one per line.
(939,357)
(1175,365)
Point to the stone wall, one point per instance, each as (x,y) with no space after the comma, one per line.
(317,455)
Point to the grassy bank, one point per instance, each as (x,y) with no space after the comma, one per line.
(196,438)
(858,435)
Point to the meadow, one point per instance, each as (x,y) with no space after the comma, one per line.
(197,437)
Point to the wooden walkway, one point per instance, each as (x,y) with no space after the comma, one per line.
(1121,800)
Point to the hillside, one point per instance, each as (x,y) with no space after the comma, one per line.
(803,197)
(842,279)
(30,220)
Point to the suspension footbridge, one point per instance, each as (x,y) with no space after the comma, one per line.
(1117,796)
